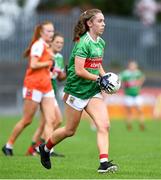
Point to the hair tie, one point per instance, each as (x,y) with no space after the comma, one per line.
(84,13)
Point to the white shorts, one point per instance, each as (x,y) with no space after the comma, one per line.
(79,104)
(36,95)
(133,101)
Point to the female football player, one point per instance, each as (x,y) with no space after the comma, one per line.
(132,80)
(57,72)
(37,89)
(82,91)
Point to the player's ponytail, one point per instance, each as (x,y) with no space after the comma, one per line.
(82,26)
(36,36)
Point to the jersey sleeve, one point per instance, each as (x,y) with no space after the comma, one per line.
(82,50)
(62,63)
(140,74)
(121,75)
(37,49)
(103,43)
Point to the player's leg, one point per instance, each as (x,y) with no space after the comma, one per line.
(41,135)
(36,140)
(29,110)
(72,120)
(92,124)
(157,108)
(139,108)
(59,120)
(59,116)
(129,103)
(140,117)
(48,113)
(57,123)
(129,117)
(101,119)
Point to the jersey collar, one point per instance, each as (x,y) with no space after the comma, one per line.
(45,43)
(92,39)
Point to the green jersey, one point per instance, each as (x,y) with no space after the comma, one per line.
(59,67)
(92,51)
(130,82)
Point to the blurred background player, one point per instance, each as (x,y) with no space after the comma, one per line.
(57,73)
(157,108)
(147,11)
(37,89)
(132,80)
(82,91)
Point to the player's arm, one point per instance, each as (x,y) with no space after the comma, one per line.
(142,80)
(36,64)
(81,71)
(102,81)
(101,70)
(61,76)
(35,54)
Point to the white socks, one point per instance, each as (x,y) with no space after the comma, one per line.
(9,146)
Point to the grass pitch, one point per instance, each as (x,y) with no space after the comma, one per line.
(137,153)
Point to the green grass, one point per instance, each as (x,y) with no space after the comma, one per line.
(137,153)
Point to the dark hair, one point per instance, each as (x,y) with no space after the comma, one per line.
(57,34)
(81,26)
(36,36)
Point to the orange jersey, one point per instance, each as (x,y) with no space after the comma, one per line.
(39,79)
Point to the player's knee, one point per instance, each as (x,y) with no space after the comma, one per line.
(104,128)
(51,122)
(58,123)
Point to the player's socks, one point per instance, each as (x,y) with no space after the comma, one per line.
(41,141)
(103,158)
(48,146)
(9,146)
(31,150)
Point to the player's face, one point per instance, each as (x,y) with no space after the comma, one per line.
(47,32)
(58,44)
(98,24)
(133,66)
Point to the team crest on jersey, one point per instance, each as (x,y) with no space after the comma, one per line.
(71,99)
(29,93)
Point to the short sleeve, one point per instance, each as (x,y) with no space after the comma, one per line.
(61,63)
(121,75)
(140,74)
(37,49)
(81,50)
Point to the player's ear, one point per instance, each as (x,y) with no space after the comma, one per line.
(89,23)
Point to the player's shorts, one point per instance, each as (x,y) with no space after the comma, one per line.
(133,101)
(36,95)
(77,103)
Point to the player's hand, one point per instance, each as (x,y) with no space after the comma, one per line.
(52,65)
(104,83)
